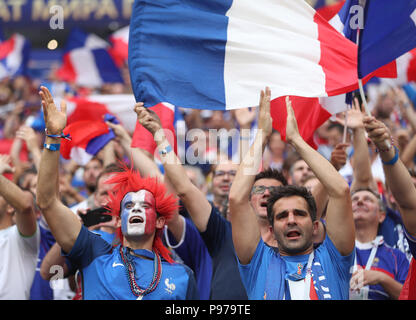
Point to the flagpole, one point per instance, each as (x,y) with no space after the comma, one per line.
(361,87)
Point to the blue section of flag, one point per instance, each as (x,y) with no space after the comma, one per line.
(168,39)
(77,39)
(106,66)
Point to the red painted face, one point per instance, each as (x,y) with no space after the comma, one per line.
(138,213)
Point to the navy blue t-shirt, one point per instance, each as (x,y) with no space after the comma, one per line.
(226,282)
(194,253)
(104,275)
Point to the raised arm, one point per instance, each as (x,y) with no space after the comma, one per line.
(245,229)
(22,201)
(193,199)
(339,219)
(64,225)
(362,175)
(397,176)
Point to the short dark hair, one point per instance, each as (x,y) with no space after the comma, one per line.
(336,125)
(289,191)
(110,168)
(271,173)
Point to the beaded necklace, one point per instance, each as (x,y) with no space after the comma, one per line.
(127,258)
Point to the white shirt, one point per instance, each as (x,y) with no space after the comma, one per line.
(18,259)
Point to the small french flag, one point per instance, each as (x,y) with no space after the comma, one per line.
(14,55)
(120,46)
(87,62)
(86,125)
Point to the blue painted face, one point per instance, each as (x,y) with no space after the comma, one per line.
(138,213)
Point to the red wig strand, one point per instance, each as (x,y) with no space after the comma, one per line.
(130,181)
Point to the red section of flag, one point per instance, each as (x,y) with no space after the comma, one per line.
(143,139)
(119,51)
(338,59)
(309,115)
(87,110)
(81,133)
(66,72)
(328,12)
(411,69)
(6,47)
(409,287)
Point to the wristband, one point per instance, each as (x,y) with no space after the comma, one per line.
(165,151)
(52,146)
(395,158)
(62,135)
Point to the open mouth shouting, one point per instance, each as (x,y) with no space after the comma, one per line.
(136,220)
(293,234)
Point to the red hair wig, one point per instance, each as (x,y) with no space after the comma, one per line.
(130,180)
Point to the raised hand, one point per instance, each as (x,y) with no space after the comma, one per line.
(377,132)
(245,116)
(354,116)
(55,120)
(292,131)
(265,120)
(5,164)
(147,118)
(339,155)
(27,134)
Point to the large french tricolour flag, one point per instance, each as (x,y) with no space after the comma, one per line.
(219,54)
(14,55)
(87,62)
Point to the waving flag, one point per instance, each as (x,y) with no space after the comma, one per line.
(87,62)
(389,31)
(14,55)
(219,54)
(87,127)
(120,46)
(347,22)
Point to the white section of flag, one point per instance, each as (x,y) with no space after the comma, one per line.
(283,33)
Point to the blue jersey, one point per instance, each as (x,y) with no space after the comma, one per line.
(104,275)
(336,267)
(388,260)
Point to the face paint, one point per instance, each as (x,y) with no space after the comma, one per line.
(138,214)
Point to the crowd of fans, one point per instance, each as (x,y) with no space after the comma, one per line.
(81,188)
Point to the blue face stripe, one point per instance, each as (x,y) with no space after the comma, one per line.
(177,51)
(124,213)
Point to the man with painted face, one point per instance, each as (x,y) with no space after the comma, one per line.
(140,267)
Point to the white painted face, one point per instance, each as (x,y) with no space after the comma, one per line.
(138,214)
